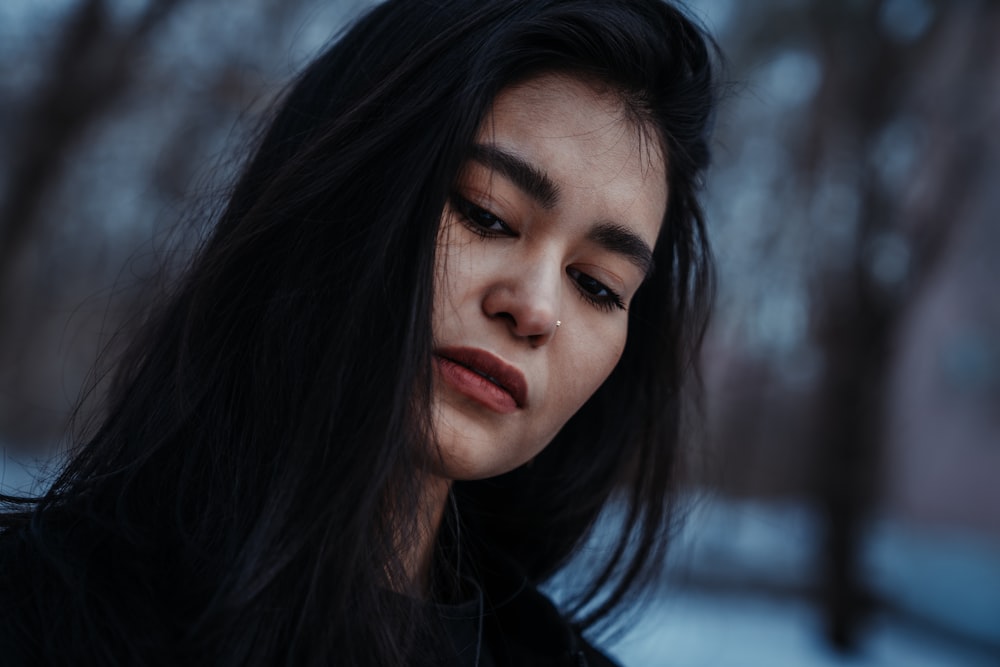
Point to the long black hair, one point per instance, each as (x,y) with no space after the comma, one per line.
(242,501)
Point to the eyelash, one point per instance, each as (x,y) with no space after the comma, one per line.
(609,301)
(588,287)
(469,212)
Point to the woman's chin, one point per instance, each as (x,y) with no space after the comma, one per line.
(471,448)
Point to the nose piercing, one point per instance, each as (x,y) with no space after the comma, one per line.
(558,323)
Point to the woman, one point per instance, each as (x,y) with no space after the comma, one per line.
(444,318)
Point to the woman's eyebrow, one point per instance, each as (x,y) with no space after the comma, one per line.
(519,171)
(609,235)
(623,241)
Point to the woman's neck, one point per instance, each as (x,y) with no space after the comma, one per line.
(418,552)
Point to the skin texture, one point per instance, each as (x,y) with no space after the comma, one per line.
(510,264)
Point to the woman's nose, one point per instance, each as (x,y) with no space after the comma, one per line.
(526,301)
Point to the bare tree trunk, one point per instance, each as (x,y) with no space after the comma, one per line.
(861,312)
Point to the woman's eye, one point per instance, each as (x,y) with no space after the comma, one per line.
(479,220)
(596,292)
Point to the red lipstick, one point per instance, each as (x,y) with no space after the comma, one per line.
(483,377)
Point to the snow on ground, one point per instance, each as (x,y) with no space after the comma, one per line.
(688,629)
(943,587)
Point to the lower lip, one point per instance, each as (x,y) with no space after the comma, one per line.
(476,387)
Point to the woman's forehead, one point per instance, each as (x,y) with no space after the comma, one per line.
(549,107)
(532,100)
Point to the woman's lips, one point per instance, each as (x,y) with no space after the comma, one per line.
(483,377)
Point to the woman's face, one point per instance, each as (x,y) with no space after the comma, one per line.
(547,237)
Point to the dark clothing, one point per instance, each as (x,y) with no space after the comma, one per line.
(503,621)
(509,623)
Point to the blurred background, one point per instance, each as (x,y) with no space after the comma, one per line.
(845,509)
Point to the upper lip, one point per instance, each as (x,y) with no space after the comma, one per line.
(492,367)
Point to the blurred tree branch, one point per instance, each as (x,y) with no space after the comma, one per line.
(92,66)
